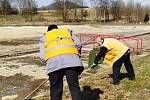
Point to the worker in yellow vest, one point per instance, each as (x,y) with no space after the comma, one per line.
(60,49)
(114,53)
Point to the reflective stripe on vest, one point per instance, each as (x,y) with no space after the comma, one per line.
(60,38)
(58,47)
(59,41)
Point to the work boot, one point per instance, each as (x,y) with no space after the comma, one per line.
(131,78)
(114,82)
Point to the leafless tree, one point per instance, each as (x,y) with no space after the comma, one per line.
(26,6)
(96,5)
(6,7)
(105,9)
(0,6)
(117,9)
(81,8)
(61,8)
(69,9)
(85,15)
(102,9)
(139,12)
(129,10)
(77,9)
(20,5)
(146,13)
(30,7)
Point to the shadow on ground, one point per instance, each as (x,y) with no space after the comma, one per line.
(91,94)
(122,76)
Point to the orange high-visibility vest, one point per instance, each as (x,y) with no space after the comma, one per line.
(58,41)
(116,50)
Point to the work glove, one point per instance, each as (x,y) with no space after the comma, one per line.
(93,66)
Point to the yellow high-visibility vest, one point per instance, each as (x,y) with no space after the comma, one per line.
(116,50)
(57,42)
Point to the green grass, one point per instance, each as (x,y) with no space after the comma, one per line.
(126,90)
(142,83)
(29,20)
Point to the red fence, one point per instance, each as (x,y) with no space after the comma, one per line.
(88,40)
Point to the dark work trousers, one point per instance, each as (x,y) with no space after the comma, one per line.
(56,83)
(127,63)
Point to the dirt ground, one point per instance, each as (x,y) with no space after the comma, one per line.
(19,75)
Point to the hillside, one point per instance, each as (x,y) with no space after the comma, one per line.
(60,4)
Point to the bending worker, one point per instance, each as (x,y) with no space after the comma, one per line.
(114,53)
(59,48)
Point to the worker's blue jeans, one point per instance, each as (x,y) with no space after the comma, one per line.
(128,65)
(56,83)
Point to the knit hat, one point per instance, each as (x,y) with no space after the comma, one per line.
(51,27)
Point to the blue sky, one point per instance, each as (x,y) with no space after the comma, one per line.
(47,2)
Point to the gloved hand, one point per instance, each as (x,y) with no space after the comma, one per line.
(100,62)
(93,66)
